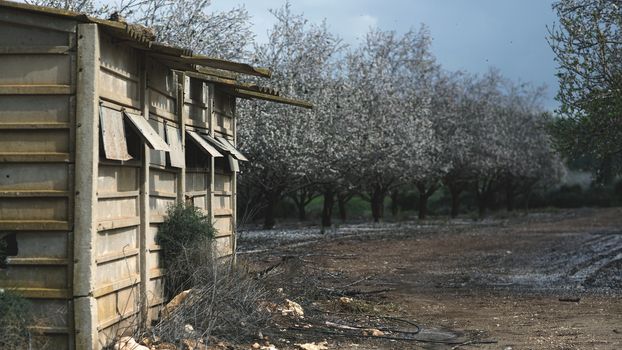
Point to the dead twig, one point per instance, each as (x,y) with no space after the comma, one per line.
(358,281)
(353,293)
(474,342)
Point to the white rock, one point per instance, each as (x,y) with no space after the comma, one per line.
(313,346)
(128,343)
(292,308)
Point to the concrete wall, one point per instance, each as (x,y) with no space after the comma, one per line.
(37,128)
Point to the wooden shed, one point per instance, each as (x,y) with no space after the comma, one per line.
(101,129)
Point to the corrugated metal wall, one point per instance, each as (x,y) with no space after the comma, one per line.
(37,120)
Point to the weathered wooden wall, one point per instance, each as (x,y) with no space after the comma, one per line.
(117,282)
(37,86)
(96,279)
(164,180)
(223,200)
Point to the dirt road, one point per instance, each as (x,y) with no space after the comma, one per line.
(543,281)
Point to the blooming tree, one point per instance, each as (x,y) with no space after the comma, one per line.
(390,117)
(283,142)
(185,23)
(588,50)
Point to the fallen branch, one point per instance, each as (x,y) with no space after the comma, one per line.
(353,293)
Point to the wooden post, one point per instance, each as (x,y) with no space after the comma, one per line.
(234,188)
(144,203)
(181,180)
(86,161)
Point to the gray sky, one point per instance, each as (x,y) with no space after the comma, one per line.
(470,35)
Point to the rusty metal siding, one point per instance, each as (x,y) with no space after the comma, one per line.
(37,84)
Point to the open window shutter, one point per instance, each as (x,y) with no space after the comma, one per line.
(229,146)
(146,132)
(203,144)
(176,154)
(113,134)
(233,164)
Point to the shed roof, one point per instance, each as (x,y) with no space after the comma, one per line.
(216,70)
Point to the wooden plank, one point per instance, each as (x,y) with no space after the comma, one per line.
(163,114)
(126,194)
(34,225)
(116,256)
(35,69)
(149,135)
(42,50)
(203,144)
(263,96)
(222,212)
(36,89)
(49,329)
(33,193)
(15,261)
(35,109)
(29,126)
(162,194)
(42,293)
(234,152)
(39,20)
(176,154)
(115,320)
(35,157)
(233,164)
(113,134)
(117,223)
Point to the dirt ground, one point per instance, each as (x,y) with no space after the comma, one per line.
(537,281)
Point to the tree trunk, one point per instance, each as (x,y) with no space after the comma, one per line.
(302,213)
(272,198)
(377,203)
(481,208)
(341,202)
(483,196)
(327,208)
(509,199)
(394,206)
(423,201)
(455,192)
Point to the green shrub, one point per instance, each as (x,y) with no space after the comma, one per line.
(186,238)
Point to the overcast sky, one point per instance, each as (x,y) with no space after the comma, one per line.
(469,35)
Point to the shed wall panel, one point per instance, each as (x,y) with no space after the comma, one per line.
(13,34)
(35,69)
(34,109)
(53,277)
(34,141)
(116,240)
(37,50)
(33,177)
(42,245)
(25,208)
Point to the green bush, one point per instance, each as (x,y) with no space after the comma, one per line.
(186,238)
